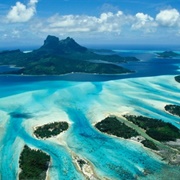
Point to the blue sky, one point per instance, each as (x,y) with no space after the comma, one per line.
(28,22)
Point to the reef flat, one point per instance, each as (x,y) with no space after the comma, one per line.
(33,103)
(152,133)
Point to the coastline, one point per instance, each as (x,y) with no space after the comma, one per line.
(87,169)
(168,152)
(65,74)
(34,162)
(125,109)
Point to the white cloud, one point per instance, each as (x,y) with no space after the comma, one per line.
(169,17)
(106,22)
(33,2)
(110,25)
(144,22)
(22,13)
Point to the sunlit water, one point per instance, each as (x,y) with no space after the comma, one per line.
(46,99)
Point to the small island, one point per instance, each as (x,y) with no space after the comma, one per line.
(161,137)
(52,129)
(112,126)
(155,128)
(177,78)
(85,167)
(33,164)
(167,54)
(173,109)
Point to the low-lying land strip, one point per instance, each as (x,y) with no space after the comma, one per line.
(152,133)
(173,109)
(155,128)
(52,129)
(111,125)
(168,54)
(177,78)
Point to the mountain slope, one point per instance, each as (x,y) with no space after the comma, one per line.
(62,56)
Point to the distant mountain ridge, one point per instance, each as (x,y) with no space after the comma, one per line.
(56,57)
(168,54)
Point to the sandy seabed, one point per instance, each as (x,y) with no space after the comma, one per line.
(82,104)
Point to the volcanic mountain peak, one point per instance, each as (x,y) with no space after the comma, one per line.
(52,44)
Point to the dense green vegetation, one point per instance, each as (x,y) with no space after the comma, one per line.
(155,128)
(177,78)
(111,125)
(53,66)
(168,54)
(34,164)
(51,129)
(149,144)
(60,57)
(173,109)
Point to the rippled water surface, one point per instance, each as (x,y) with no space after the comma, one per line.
(83,100)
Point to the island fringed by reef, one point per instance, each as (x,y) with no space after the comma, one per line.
(111,125)
(50,130)
(167,54)
(57,57)
(159,136)
(152,133)
(177,78)
(33,164)
(173,109)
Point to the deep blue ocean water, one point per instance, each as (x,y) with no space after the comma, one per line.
(6,68)
(84,99)
(149,65)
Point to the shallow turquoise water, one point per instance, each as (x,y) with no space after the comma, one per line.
(84,103)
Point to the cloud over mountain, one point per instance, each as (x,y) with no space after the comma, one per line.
(111,22)
(106,22)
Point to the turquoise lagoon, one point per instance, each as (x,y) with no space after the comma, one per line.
(82,100)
